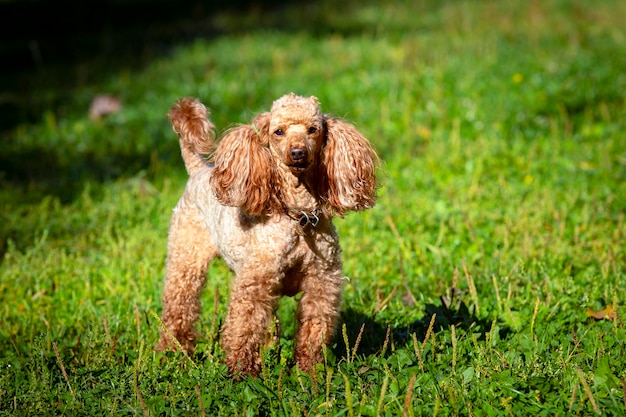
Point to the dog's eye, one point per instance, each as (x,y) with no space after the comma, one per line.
(279,132)
(312,130)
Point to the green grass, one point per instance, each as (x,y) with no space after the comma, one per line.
(500,223)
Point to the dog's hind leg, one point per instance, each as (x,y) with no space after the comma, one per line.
(190,251)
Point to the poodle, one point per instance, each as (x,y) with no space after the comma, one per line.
(265,204)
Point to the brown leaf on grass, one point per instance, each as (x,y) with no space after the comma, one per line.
(606,313)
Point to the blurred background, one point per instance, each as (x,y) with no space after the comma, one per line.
(48,48)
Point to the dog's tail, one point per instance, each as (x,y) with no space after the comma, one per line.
(190,121)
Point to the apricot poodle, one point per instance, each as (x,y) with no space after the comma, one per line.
(265,205)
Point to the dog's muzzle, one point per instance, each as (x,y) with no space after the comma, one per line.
(298,159)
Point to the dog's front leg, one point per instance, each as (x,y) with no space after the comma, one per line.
(250,311)
(317,317)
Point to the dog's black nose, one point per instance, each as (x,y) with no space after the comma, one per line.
(297,154)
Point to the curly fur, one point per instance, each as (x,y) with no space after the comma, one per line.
(265,206)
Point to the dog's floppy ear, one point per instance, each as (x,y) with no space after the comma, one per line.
(349,169)
(243,175)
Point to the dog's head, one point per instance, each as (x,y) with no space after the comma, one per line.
(296,138)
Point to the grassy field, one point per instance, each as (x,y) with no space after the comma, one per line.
(489,280)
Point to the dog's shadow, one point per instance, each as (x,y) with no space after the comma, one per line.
(375,337)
